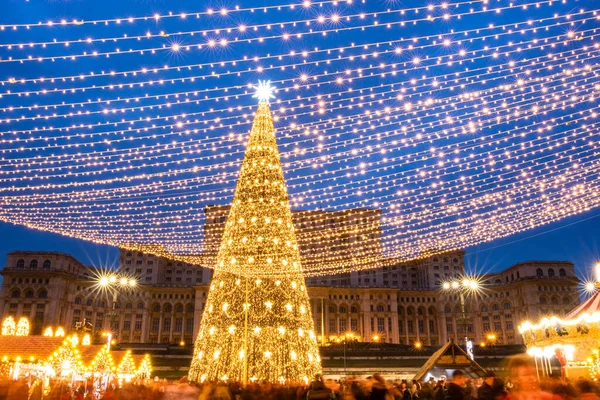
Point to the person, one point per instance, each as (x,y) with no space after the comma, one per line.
(318,390)
(586,390)
(455,389)
(526,385)
(487,391)
(439,391)
(405,393)
(415,389)
(380,391)
(426,392)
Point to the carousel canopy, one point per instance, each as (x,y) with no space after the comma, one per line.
(590,306)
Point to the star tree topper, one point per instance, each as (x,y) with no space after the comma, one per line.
(264,91)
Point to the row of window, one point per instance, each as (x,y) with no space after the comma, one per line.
(33,264)
(29,294)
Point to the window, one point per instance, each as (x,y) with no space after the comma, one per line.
(128,305)
(88,302)
(342,311)
(155,324)
(562,272)
(539,272)
(139,262)
(431,327)
(421,325)
(509,325)
(332,326)
(543,300)
(354,325)
(353,309)
(127,325)
(550,272)
(343,325)
(449,328)
(409,326)
(497,326)
(20,264)
(33,264)
(179,309)
(380,324)
(156,308)
(379,308)
(486,326)
(47,264)
(43,294)
(168,308)
(189,325)
(507,306)
(178,324)
(495,307)
(138,325)
(15,294)
(167,325)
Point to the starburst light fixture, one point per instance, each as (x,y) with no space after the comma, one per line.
(264,91)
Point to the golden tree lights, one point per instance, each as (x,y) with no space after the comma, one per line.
(8,326)
(257,322)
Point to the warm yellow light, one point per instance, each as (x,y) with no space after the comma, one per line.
(418,345)
(60,332)
(455,285)
(123,281)
(491,337)
(48,332)
(182,343)
(590,286)
(376,338)
(104,281)
(446,285)
(112,279)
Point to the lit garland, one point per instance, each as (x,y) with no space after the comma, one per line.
(478,154)
(255,327)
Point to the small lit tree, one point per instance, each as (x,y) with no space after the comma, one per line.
(22,327)
(8,326)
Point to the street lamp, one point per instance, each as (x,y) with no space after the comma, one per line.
(114,284)
(592,286)
(463,287)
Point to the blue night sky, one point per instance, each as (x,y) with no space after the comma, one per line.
(463,122)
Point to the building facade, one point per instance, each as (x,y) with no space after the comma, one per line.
(398,304)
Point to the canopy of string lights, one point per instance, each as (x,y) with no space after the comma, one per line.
(462,121)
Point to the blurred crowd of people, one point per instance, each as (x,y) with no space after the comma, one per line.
(522,383)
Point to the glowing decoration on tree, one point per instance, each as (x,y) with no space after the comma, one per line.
(87,340)
(66,360)
(22,327)
(252,325)
(8,326)
(144,371)
(48,332)
(126,369)
(60,332)
(102,364)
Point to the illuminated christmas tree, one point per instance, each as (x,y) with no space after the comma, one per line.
(257,322)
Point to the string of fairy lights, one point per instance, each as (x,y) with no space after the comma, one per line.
(478,118)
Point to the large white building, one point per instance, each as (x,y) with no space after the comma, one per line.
(399,303)
(166,307)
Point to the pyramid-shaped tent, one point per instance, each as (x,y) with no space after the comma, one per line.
(448,358)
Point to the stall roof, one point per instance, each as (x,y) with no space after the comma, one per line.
(450,357)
